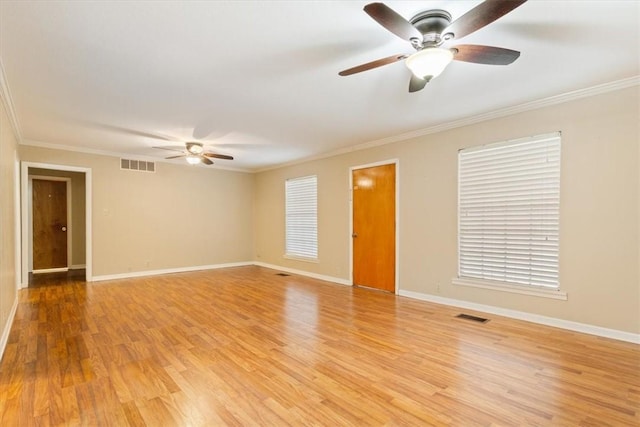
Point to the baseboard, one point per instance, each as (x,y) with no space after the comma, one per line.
(7,327)
(332,279)
(529,317)
(78,266)
(133,274)
(514,314)
(51,270)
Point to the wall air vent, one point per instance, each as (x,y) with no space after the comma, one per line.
(137,165)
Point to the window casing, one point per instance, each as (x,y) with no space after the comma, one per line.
(301,213)
(508,212)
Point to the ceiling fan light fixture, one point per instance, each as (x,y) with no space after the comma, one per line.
(195,148)
(193,160)
(430,62)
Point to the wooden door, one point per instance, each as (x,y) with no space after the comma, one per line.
(49,224)
(374,227)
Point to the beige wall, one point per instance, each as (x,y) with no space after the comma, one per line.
(600,207)
(8,273)
(78,223)
(179,216)
(182,216)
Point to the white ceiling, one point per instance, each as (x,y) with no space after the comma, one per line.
(259,79)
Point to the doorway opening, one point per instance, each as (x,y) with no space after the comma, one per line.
(56,220)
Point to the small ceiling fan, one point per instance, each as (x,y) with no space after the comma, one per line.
(429,30)
(194,153)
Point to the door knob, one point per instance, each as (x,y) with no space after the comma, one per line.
(354,235)
(64,228)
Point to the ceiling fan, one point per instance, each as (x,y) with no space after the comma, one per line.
(194,153)
(429,30)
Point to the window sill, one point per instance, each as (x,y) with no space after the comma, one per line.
(301,258)
(516,289)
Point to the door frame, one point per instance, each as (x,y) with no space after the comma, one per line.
(395,162)
(69,220)
(24,215)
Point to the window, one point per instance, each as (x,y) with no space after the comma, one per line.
(301,205)
(508,212)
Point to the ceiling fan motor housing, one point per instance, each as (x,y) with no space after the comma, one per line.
(431,23)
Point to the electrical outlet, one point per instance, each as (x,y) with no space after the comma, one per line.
(438,287)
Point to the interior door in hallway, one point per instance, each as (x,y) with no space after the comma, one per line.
(374,227)
(49,205)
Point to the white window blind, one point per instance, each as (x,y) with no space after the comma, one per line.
(302,217)
(508,218)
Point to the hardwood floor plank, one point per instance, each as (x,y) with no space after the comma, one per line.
(70,407)
(242,346)
(183,409)
(155,413)
(132,414)
(56,404)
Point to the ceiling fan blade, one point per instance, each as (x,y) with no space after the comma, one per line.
(218,156)
(202,131)
(484,54)
(172,148)
(205,160)
(126,131)
(393,22)
(175,157)
(416,83)
(373,64)
(480,16)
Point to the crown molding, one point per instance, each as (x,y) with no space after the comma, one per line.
(85,150)
(503,112)
(7,101)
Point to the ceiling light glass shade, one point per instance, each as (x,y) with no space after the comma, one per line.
(193,160)
(196,149)
(430,62)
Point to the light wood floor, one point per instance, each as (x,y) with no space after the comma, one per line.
(244,346)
